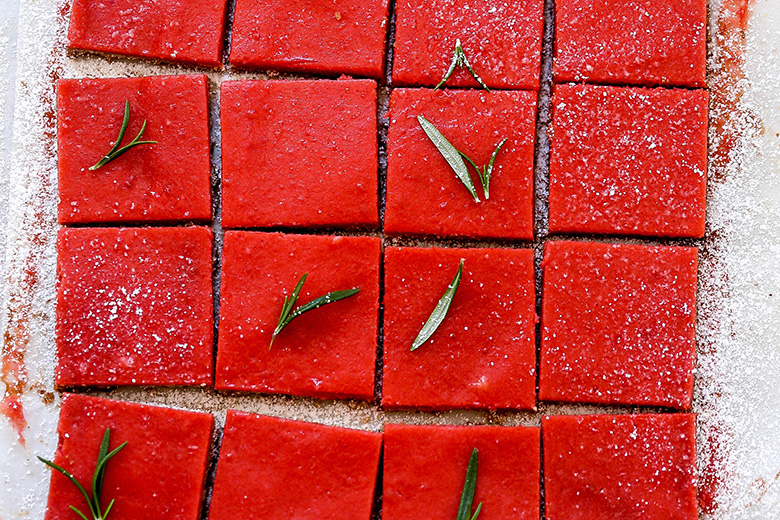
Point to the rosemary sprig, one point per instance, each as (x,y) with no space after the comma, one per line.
(288,314)
(454,158)
(440,311)
(115,150)
(97,480)
(459,59)
(469,489)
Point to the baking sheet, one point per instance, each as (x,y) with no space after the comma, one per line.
(738,387)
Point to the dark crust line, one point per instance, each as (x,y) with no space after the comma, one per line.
(12,349)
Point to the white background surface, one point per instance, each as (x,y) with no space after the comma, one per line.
(9,10)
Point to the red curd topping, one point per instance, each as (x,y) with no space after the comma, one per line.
(425,468)
(638,42)
(425,197)
(332,37)
(160,473)
(163,182)
(277,468)
(187,31)
(502,40)
(299,153)
(628,161)
(620,466)
(618,324)
(329,352)
(483,355)
(134,306)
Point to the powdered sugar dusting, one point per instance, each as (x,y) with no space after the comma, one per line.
(28,294)
(738,396)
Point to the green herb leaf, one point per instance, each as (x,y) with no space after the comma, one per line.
(288,314)
(440,311)
(75,482)
(459,59)
(97,476)
(456,61)
(469,489)
(450,154)
(487,171)
(322,300)
(111,504)
(115,150)
(75,510)
(287,308)
(97,479)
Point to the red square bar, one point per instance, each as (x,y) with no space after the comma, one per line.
(502,41)
(277,468)
(161,470)
(618,324)
(299,153)
(620,466)
(637,42)
(483,355)
(134,306)
(337,37)
(329,352)
(185,31)
(628,161)
(164,182)
(425,468)
(425,197)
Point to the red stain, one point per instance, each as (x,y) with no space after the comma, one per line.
(712,475)
(728,121)
(11,407)
(726,82)
(13,370)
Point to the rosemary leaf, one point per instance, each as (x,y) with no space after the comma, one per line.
(440,311)
(469,489)
(122,130)
(101,470)
(473,164)
(97,476)
(484,175)
(331,297)
(459,59)
(287,307)
(75,510)
(454,63)
(465,62)
(450,154)
(111,504)
(288,314)
(97,479)
(116,151)
(75,482)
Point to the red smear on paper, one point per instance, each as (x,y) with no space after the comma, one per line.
(726,82)
(729,122)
